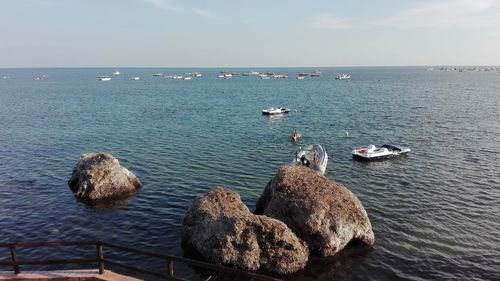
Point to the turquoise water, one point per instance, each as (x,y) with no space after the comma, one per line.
(434,213)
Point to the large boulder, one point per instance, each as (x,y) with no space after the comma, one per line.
(99,176)
(222,230)
(320,211)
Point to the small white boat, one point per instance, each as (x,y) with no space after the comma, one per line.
(116,73)
(313,156)
(301,77)
(253,73)
(104,78)
(136,78)
(316,73)
(158,75)
(343,76)
(280,76)
(275,110)
(187,78)
(372,152)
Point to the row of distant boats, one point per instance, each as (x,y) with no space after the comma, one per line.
(229,75)
(315,157)
(223,74)
(185,76)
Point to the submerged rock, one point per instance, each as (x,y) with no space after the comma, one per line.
(222,230)
(99,176)
(322,212)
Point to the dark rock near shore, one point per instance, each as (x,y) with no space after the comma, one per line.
(222,230)
(320,211)
(98,176)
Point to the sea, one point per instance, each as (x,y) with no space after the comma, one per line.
(435,213)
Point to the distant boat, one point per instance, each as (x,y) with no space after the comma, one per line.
(275,110)
(280,76)
(136,78)
(372,152)
(316,73)
(343,76)
(301,77)
(254,72)
(104,78)
(116,73)
(313,156)
(39,78)
(158,75)
(303,74)
(187,78)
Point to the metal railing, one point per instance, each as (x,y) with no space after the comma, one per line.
(99,259)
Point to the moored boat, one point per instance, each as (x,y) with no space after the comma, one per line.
(316,73)
(275,110)
(313,156)
(280,76)
(104,78)
(371,152)
(343,76)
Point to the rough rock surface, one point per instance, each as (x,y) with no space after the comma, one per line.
(222,230)
(320,211)
(99,176)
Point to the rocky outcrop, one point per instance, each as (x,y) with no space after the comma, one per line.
(222,230)
(99,176)
(320,211)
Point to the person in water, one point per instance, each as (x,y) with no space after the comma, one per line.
(304,161)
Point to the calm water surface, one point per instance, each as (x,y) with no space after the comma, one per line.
(434,213)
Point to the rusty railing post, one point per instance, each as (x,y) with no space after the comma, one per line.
(13,256)
(100,257)
(170,268)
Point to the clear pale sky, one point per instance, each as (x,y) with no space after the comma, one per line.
(234,33)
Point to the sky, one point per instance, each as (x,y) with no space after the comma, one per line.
(220,33)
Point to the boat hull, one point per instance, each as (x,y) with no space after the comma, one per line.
(377,158)
(372,153)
